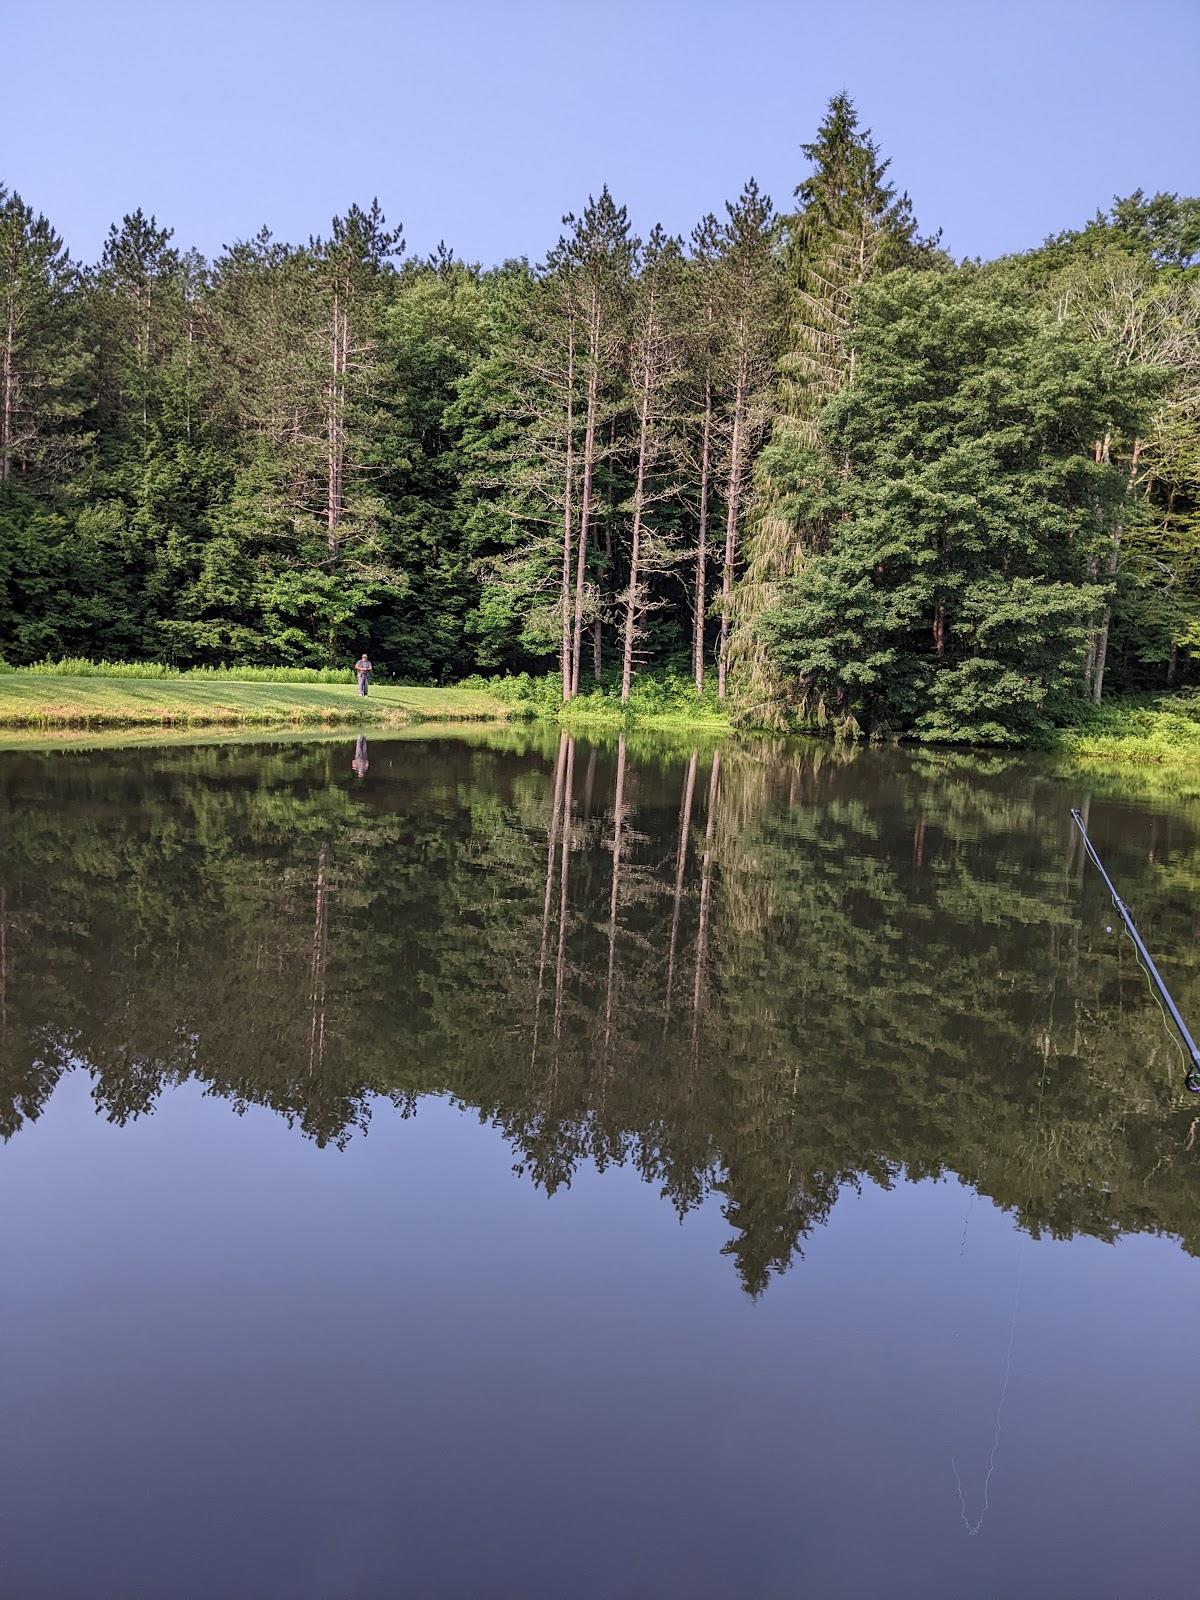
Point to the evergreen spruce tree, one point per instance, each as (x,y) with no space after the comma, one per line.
(850,223)
(42,362)
(432,334)
(44,377)
(159,466)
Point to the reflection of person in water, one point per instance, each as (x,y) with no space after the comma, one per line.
(360,762)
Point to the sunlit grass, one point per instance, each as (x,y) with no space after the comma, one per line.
(1161,731)
(34,700)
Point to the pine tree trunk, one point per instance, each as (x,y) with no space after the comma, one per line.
(598,625)
(568,509)
(589,462)
(608,557)
(144,358)
(732,506)
(332,485)
(187,390)
(7,380)
(639,502)
(702,539)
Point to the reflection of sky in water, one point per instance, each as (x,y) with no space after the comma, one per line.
(399,1368)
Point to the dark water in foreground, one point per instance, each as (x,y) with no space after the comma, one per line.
(513,1169)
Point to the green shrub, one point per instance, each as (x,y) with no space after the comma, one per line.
(666,693)
(77,667)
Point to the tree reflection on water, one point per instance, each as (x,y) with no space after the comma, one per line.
(756,972)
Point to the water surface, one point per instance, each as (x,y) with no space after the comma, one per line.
(504,1165)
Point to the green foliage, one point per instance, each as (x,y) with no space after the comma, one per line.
(663,696)
(1162,228)
(296,452)
(1143,731)
(76,667)
(536,696)
(952,598)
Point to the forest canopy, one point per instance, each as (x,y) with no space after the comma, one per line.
(801,454)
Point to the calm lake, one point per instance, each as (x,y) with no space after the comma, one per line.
(498,1165)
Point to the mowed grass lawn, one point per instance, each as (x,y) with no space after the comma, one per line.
(33,700)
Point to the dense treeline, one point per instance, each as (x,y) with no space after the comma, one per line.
(801,451)
(748,976)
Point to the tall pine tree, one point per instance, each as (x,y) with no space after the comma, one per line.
(849,224)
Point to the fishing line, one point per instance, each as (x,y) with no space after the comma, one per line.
(974,1527)
(962,1249)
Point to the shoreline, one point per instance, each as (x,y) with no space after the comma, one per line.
(1154,736)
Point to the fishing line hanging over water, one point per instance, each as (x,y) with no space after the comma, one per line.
(974,1527)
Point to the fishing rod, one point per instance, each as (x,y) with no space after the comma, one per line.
(1192,1077)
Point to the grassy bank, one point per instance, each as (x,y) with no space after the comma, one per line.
(45,700)
(1157,734)
(1153,731)
(662,701)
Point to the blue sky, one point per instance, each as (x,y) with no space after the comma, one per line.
(482,123)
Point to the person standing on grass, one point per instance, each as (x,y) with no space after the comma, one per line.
(364,669)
